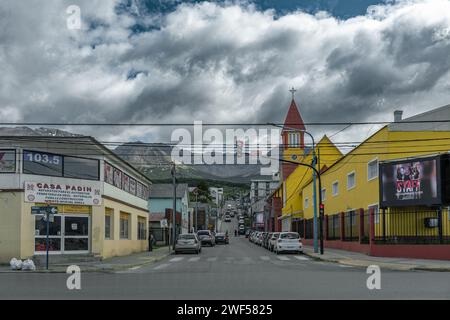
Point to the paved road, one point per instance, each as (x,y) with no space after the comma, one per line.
(239,270)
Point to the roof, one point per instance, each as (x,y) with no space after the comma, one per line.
(165,190)
(154,217)
(80,141)
(293,118)
(438,114)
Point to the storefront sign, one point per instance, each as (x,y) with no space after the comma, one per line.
(84,193)
(411,182)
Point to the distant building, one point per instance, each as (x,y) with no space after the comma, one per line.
(161,199)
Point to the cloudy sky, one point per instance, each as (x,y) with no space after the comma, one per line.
(169,61)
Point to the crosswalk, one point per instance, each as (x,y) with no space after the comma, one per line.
(238,260)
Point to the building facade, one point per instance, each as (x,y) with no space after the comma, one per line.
(101,200)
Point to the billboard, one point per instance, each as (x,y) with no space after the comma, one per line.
(410,182)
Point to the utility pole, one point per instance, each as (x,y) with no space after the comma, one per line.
(196,210)
(174,211)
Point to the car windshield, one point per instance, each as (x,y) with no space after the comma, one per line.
(290,235)
(203,233)
(186,237)
(220,234)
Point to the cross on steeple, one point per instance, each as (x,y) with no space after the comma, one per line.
(293,92)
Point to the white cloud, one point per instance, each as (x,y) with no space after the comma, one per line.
(221,64)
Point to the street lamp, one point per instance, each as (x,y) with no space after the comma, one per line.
(314,163)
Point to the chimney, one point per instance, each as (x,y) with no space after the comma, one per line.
(398,115)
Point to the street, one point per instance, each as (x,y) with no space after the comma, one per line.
(240,270)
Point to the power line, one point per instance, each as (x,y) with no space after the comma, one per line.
(154,124)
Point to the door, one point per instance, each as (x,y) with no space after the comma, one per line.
(76,234)
(67,234)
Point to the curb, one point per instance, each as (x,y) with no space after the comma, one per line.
(365,263)
(90,269)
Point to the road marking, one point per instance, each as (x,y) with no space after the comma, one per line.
(247,260)
(194,259)
(265,258)
(302,258)
(176,259)
(161,266)
(212,259)
(284,258)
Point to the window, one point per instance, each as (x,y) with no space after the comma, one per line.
(351,216)
(117,178)
(124,225)
(142,233)
(42,163)
(350,180)
(81,168)
(372,169)
(324,194)
(108,222)
(109,173)
(7,161)
(306,203)
(335,188)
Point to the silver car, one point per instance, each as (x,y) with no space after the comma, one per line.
(188,242)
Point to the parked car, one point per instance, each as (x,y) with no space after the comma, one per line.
(188,242)
(288,242)
(251,236)
(222,238)
(272,240)
(259,238)
(247,233)
(241,221)
(266,239)
(206,237)
(241,229)
(227,218)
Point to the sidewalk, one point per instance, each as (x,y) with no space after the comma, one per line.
(106,265)
(361,260)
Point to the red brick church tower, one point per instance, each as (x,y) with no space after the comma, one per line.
(293,143)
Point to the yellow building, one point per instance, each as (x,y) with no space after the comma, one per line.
(101,200)
(293,204)
(352,183)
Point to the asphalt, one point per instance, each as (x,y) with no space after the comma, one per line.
(240,270)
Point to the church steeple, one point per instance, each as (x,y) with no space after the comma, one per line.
(292,137)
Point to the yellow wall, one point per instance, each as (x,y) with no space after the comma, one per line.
(383,145)
(17,228)
(10,207)
(302,176)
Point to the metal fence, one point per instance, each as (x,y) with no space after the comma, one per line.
(412,227)
(351,226)
(309,229)
(334,227)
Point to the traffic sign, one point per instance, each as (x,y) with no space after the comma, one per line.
(44,210)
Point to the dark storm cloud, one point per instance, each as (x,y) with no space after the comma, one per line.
(221,63)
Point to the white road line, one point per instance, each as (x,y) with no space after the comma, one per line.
(284,258)
(265,258)
(212,259)
(194,259)
(302,258)
(176,259)
(161,266)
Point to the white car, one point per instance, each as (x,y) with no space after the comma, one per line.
(288,242)
(273,240)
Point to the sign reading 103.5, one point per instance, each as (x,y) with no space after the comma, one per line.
(41,157)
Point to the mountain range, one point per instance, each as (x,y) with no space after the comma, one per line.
(154,159)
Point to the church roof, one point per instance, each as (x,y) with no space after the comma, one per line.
(293,118)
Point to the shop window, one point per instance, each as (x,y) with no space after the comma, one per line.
(42,163)
(109,214)
(81,168)
(142,232)
(7,161)
(124,225)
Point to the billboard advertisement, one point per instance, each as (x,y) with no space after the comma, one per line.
(410,182)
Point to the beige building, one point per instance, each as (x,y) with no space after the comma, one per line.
(101,200)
